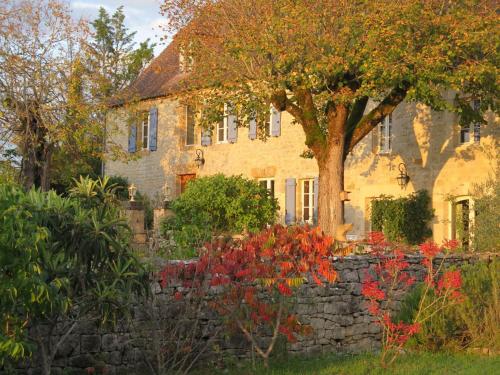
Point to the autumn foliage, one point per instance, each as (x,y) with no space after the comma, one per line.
(391,274)
(253,279)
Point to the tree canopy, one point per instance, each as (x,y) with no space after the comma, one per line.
(321,61)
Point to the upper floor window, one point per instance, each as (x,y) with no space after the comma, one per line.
(144,128)
(472,131)
(308,201)
(190,126)
(268,183)
(222,127)
(266,126)
(385,135)
(143,131)
(222,131)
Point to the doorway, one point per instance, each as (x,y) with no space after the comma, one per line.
(184,179)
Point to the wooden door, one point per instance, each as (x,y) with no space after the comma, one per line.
(184,179)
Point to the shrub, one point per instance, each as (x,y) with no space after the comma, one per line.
(441,289)
(403,219)
(472,323)
(71,260)
(275,261)
(217,205)
(121,185)
(485,230)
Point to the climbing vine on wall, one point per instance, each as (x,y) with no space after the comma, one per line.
(403,219)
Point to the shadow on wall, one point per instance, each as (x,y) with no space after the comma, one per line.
(431,150)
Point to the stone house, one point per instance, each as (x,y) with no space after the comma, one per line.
(438,154)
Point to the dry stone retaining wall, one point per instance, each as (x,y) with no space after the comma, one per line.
(338,314)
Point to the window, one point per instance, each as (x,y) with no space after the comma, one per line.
(268,183)
(222,128)
(385,135)
(308,201)
(190,126)
(267,126)
(472,131)
(143,135)
(463,216)
(465,134)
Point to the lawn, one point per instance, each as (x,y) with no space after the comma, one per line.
(416,363)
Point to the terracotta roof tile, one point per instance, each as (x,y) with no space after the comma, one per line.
(160,78)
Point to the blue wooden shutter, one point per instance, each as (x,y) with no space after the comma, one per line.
(275,122)
(290,209)
(252,128)
(316,192)
(232,126)
(206,137)
(153,128)
(132,138)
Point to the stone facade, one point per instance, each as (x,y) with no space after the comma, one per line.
(337,313)
(427,142)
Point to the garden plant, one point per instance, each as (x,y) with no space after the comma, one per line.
(441,289)
(256,279)
(63,260)
(218,205)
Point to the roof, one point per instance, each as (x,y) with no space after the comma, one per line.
(160,78)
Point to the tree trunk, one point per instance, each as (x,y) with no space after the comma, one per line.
(331,185)
(37,156)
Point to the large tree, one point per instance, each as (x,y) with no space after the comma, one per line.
(323,60)
(112,55)
(39,46)
(111,61)
(57,75)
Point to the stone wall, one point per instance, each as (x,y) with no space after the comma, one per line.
(337,313)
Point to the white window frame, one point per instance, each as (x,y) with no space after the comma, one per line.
(473,132)
(145,130)
(267,124)
(270,185)
(309,197)
(385,135)
(222,126)
(187,127)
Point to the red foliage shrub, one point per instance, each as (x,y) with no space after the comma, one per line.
(275,261)
(392,275)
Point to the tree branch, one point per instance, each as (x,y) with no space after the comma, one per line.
(369,121)
(357,111)
(305,114)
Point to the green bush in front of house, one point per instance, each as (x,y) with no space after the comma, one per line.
(486,228)
(218,205)
(403,219)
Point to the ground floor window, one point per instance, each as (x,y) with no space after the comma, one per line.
(268,183)
(308,201)
(462,220)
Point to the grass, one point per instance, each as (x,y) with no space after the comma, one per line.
(413,363)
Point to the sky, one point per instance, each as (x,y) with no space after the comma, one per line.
(142,16)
